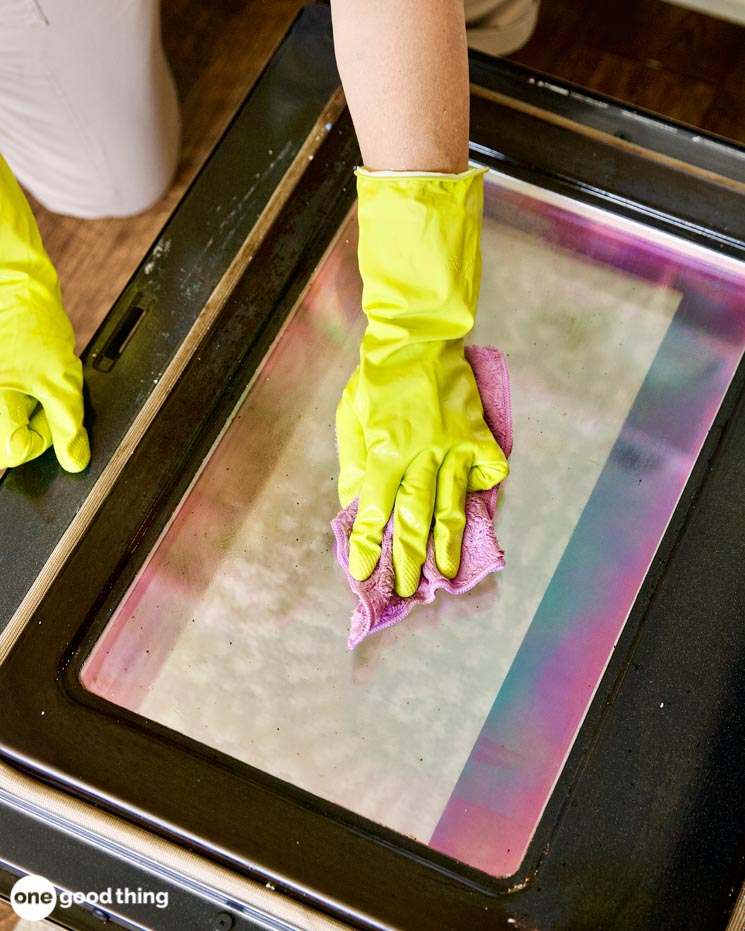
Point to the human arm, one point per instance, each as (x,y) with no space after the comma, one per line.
(410,427)
(404,67)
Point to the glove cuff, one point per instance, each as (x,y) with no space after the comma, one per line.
(419,254)
(362,172)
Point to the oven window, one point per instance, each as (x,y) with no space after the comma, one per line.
(453,726)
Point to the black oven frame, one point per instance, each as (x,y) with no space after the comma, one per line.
(610,851)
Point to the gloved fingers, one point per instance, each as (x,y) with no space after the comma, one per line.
(64,414)
(16,407)
(24,435)
(412,520)
(450,511)
(377,497)
(352,450)
(489,466)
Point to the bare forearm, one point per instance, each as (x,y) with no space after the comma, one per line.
(404,67)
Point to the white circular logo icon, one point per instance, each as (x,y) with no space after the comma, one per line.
(33,898)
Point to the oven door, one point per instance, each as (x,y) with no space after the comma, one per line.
(557,748)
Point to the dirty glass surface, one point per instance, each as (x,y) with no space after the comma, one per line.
(452,726)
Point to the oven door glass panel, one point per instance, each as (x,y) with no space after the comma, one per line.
(453,726)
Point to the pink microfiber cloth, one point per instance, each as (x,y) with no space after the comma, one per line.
(379,605)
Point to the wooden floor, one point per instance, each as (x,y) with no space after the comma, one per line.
(656,55)
(647,52)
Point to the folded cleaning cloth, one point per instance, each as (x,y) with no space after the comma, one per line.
(379,605)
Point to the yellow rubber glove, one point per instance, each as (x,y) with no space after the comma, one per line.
(41,380)
(410,426)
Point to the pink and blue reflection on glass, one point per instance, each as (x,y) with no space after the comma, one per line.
(503,789)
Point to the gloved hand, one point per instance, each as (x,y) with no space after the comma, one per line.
(41,380)
(410,426)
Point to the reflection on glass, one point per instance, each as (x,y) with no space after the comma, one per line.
(453,726)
